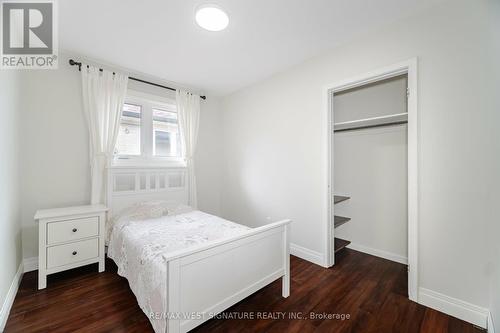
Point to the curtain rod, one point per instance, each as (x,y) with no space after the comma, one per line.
(79,64)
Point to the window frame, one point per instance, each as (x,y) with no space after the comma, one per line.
(148,102)
(165,108)
(129,156)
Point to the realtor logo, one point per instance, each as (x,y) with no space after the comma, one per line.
(29,39)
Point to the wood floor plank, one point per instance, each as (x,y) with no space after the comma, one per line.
(370,290)
(436,322)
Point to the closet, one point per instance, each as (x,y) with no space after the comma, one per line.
(369,169)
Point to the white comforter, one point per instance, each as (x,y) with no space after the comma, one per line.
(139,249)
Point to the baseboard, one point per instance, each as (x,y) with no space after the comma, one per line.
(30,264)
(379,253)
(454,307)
(491,327)
(307,254)
(9,298)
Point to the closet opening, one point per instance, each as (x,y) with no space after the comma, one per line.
(372,167)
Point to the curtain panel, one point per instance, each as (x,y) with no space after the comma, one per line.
(188,108)
(103,97)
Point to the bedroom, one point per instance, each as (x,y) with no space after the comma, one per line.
(265,157)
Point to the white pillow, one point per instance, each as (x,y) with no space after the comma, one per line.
(147,210)
(151,210)
(179,209)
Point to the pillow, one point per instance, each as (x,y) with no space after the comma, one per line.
(179,209)
(151,210)
(147,210)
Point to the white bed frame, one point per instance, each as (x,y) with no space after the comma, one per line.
(208,279)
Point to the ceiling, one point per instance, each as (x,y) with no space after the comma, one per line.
(161,39)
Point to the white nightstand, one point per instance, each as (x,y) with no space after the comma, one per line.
(68,238)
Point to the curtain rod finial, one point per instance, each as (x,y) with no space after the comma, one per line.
(74,63)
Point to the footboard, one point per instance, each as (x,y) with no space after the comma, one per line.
(207,280)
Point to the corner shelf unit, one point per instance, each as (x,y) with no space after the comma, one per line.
(340,244)
(339,220)
(339,198)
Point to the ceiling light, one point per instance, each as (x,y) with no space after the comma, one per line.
(211,18)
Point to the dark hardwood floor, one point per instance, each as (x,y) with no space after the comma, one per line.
(372,291)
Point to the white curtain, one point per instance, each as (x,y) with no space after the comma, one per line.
(188,108)
(103,97)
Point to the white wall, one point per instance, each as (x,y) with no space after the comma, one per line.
(209,157)
(494,223)
(54,146)
(275,143)
(55,165)
(10,226)
(377,99)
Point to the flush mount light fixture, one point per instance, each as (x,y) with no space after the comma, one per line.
(211,17)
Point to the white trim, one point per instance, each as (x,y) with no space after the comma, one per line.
(491,327)
(307,254)
(454,307)
(144,167)
(413,191)
(410,68)
(30,264)
(9,298)
(140,162)
(329,246)
(379,253)
(148,102)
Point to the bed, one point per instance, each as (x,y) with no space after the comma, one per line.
(183,265)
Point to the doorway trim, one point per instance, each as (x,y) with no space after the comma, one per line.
(408,67)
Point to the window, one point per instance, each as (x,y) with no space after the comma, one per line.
(129,136)
(166,136)
(149,131)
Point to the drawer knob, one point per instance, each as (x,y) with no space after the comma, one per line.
(74,253)
(75,229)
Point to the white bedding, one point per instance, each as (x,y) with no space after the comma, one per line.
(139,248)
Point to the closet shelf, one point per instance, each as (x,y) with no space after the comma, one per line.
(339,220)
(393,119)
(340,244)
(339,198)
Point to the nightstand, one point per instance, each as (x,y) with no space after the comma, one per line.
(69,237)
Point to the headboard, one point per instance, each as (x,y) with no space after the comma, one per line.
(129,185)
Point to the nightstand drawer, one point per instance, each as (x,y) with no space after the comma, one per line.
(66,231)
(65,254)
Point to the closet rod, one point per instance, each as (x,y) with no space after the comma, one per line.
(79,64)
(370,126)
(391,119)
